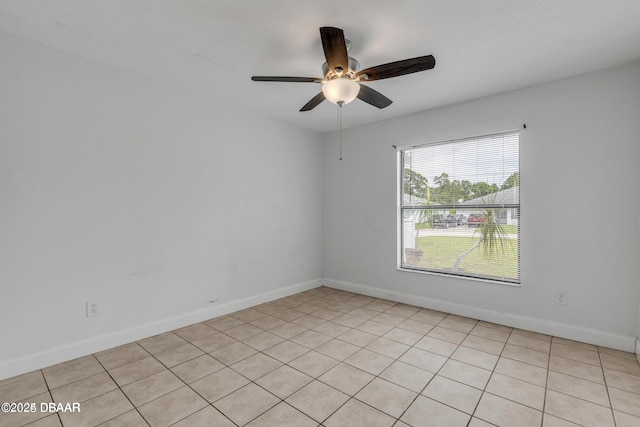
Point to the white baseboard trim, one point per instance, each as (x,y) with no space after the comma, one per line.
(69,351)
(561,330)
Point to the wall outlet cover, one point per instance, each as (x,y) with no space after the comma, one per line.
(93,308)
(562,297)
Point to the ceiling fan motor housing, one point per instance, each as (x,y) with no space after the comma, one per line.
(329,74)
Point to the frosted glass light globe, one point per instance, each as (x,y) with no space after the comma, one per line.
(340,91)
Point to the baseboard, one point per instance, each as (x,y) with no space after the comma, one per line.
(562,330)
(638,349)
(69,351)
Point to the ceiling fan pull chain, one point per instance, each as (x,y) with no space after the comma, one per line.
(340,126)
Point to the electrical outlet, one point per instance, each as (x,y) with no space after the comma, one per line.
(93,308)
(562,297)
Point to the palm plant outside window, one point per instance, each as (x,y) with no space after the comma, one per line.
(460,207)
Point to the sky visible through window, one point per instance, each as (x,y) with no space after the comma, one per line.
(489,159)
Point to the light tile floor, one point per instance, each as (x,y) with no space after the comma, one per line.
(333,358)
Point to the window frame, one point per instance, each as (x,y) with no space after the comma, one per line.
(401,208)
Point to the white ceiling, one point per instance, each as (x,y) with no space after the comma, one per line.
(214,46)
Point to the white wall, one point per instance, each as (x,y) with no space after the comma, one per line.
(150,199)
(579,155)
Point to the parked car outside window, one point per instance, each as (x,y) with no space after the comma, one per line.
(461,219)
(476,220)
(439,221)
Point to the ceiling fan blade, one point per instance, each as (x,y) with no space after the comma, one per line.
(315,101)
(397,68)
(335,48)
(373,97)
(285,79)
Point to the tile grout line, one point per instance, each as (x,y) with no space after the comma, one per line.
(155,373)
(94,397)
(339,362)
(196,392)
(397,419)
(434,375)
(546,384)
(226,366)
(499,373)
(318,378)
(188,386)
(50,395)
(121,391)
(253,381)
(489,379)
(313,378)
(604,378)
(580,398)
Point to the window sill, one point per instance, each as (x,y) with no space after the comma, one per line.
(454,276)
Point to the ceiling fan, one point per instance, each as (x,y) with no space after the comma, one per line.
(342,81)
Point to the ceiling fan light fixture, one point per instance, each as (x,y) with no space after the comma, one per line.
(340,91)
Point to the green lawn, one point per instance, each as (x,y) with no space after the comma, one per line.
(422,225)
(441,252)
(510,229)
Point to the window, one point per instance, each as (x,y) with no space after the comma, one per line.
(460,207)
